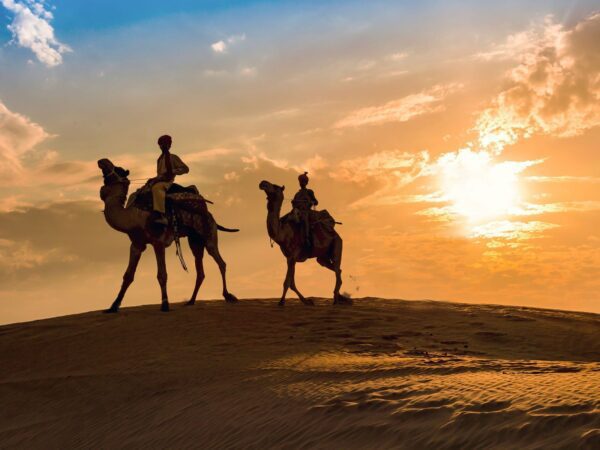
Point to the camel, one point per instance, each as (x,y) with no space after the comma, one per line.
(327,246)
(141,231)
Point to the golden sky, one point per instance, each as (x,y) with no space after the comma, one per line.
(457,142)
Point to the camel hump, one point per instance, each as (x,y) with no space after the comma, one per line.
(323,217)
(228,230)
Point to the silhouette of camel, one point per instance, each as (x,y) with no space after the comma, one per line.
(142,231)
(327,246)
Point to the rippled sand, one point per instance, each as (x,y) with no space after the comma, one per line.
(380,374)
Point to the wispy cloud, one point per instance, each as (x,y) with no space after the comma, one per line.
(313,164)
(395,163)
(512,230)
(397,56)
(401,110)
(18,136)
(31,29)
(248,71)
(392,170)
(563,179)
(15,256)
(223,45)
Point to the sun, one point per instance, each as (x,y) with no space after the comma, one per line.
(478,188)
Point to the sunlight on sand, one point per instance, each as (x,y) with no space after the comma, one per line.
(418,374)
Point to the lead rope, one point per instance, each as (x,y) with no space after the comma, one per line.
(177,243)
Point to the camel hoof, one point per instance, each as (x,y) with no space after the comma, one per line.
(281,302)
(308,301)
(164,307)
(342,300)
(190,303)
(230,298)
(111,311)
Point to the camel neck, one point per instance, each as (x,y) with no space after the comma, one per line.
(274,208)
(116,215)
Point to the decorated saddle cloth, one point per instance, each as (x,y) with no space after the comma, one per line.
(185,206)
(180,197)
(316,219)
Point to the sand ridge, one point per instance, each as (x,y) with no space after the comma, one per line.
(380,374)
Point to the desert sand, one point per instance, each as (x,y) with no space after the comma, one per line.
(379,374)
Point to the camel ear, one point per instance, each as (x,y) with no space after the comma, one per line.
(122,172)
(283,187)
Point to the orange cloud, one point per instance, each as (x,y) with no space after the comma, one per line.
(391,169)
(555,88)
(401,110)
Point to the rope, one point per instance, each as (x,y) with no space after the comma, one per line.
(178,251)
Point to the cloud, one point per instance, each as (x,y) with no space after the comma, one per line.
(539,36)
(563,179)
(231,176)
(512,230)
(18,136)
(312,165)
(391,170)
(219,46)
(397,56)
(400,110)
(17,256)
(533,209)
(222,46)
(53,241)
(554,89)
(248,71)
(31,29)
(381,164)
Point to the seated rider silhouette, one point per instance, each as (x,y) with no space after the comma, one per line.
(168,166)
(302,203)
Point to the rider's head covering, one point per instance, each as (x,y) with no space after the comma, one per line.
(303,178)
(164,140)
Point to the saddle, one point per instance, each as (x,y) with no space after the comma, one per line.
(315,218)
(186,198)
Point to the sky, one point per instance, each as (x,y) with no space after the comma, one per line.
(456,141)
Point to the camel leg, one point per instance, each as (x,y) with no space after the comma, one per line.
(286,282)
(292,282)
(159,251)
(213,250)
(335,264)
(135,253)
(197,247)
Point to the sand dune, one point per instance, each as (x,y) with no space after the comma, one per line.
(380,374)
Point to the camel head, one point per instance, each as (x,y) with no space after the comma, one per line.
(116,182)
(274,192)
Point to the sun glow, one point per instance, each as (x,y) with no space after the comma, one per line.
(477,187)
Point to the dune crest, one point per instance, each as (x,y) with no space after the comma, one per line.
(383,373)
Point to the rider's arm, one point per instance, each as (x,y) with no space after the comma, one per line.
(179,167)
(314,200)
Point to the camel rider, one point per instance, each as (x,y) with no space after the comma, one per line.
(303,202)
(167,167)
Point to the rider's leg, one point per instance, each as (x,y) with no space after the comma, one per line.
(306,229)
(159,196)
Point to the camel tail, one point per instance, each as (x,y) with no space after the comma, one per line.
(228,230)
